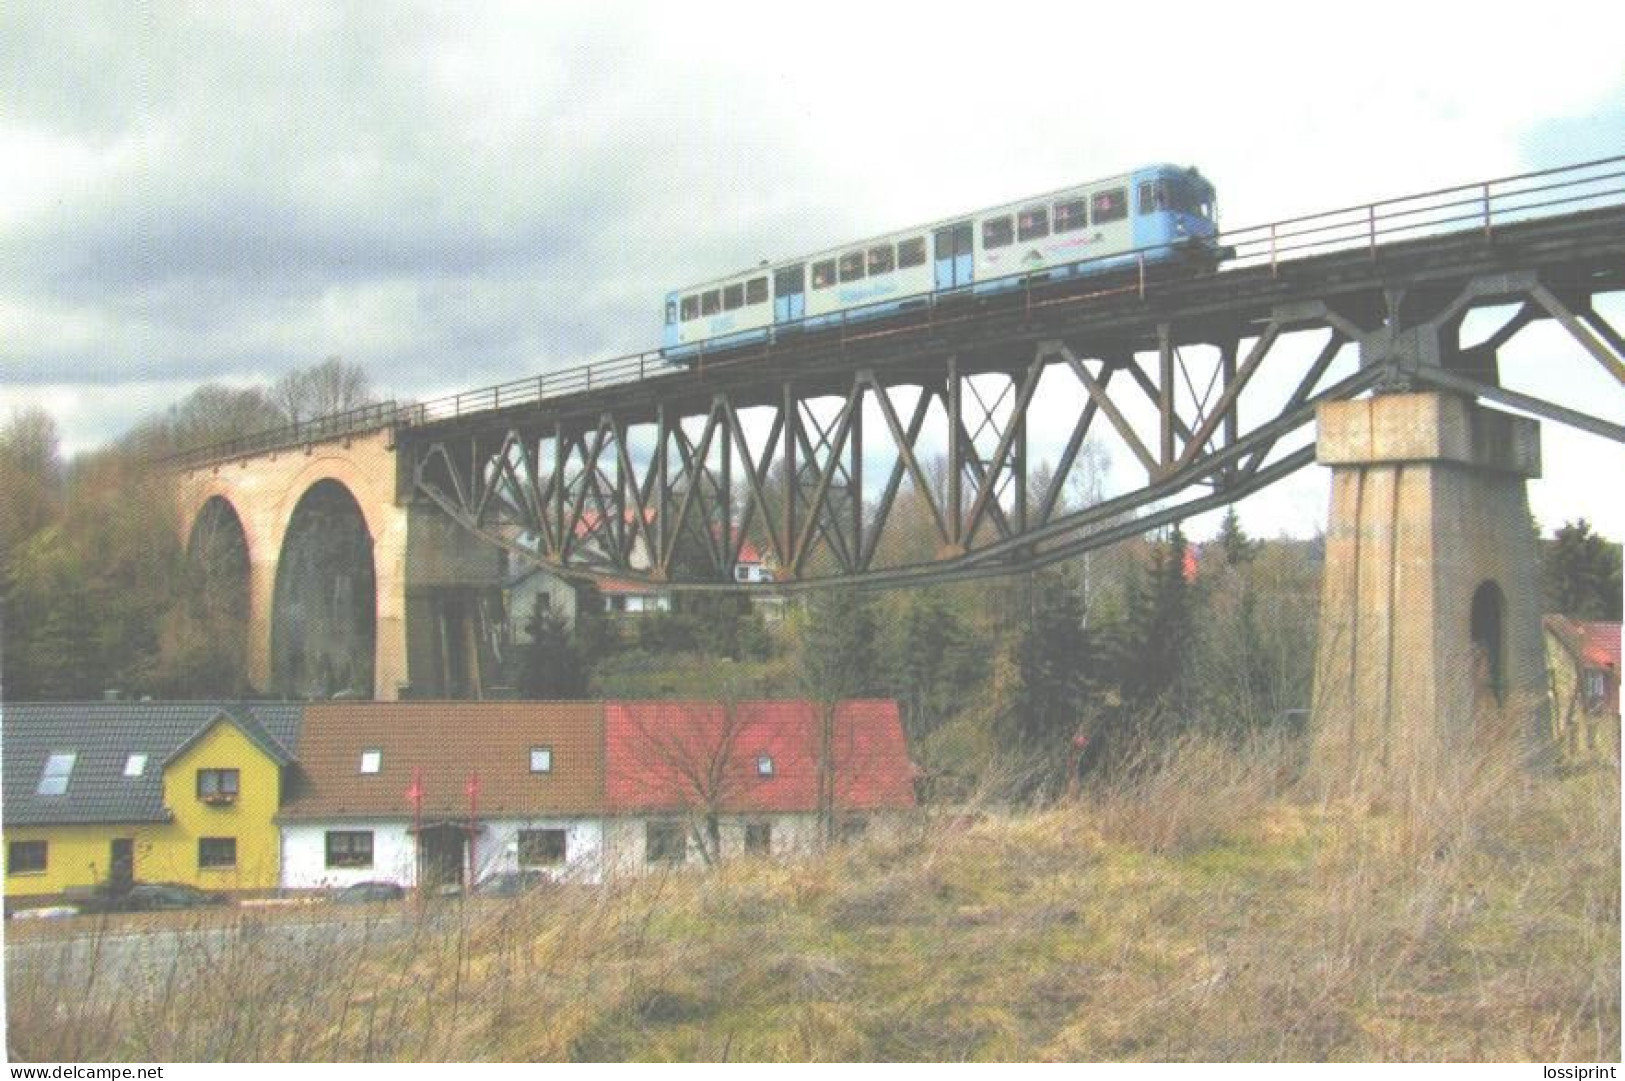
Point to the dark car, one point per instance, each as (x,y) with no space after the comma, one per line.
(152,897)
(512,883)
(360,893)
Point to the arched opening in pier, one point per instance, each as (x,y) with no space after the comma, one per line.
(324,612)
(1486,624)
(206,637)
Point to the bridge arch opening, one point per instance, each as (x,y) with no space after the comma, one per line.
(324,606)
(1487,626)
(209,634)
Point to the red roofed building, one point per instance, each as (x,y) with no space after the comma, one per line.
(1583,667)
(696,781)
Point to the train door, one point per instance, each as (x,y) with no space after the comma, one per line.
(789,293)
(953,244)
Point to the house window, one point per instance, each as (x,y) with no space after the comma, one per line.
(759,838)
(541,760)
(26,857)
(349,848)
(214,853)
(1596,687)
(53,780)
(764,765)
(541,848)
(217,785)
(911,252)
(665,842)
(135,765)
(372,760)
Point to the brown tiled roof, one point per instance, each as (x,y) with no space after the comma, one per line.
(449,742)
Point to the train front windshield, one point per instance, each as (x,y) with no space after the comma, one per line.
(1183,194)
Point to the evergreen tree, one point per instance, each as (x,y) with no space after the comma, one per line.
(1151,651)
(1582,573)
(1054,660)
(1238,548)
(551,666)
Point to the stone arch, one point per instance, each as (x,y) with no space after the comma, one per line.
(210,628)
(324,610)
(217,556)
(1486,628)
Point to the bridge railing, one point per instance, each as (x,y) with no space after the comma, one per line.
(1483,206)
(366,418)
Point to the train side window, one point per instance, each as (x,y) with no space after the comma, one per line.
(911,252)
(1032,223)
(852,266)
(691,308)
(733,296)
(882,260)
(756,290)
(996,232)
(710,302)
(1070,216)
(824,274)
(1110,205)
(671,313)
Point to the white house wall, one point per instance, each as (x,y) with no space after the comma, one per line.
(394,852)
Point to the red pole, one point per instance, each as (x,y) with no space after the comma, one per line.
(415,794)
(473,824)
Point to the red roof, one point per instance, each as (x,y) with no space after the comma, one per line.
(1601,644)
(753,756)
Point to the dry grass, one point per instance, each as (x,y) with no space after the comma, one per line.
(1209,910)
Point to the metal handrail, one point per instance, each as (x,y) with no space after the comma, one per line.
(1483,203)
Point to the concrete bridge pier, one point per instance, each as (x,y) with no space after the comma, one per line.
(1430,637)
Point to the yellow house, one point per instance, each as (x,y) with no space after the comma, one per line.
(102,792)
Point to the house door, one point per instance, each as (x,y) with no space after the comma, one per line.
(441,856)
(121,864)
(953,245)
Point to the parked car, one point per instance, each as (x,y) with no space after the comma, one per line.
(512,883)
(361,893)
(152,897)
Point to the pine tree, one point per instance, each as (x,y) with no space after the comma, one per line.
(1238,548)
(1582,573)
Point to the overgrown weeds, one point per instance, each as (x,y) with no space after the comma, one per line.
(1208,905)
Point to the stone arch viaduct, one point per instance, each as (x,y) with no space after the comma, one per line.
(375,578)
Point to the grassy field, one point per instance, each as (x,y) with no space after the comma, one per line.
(1212,910)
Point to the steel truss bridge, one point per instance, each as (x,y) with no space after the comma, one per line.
(981,407)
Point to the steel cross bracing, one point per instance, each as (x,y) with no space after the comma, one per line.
(801,458)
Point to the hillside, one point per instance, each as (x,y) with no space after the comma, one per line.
(1208,911)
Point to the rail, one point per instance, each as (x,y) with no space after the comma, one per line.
(1482,206)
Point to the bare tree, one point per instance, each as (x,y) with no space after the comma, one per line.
(688,757)
(332,386)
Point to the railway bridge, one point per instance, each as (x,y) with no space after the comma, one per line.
(366,544)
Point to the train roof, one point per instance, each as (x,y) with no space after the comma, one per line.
(769,265)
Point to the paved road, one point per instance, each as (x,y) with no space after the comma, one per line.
(82,959)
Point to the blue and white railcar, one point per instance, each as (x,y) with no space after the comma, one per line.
(1158,214)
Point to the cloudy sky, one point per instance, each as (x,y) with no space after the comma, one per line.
(458,194)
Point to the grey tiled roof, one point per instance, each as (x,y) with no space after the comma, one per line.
(103,735)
